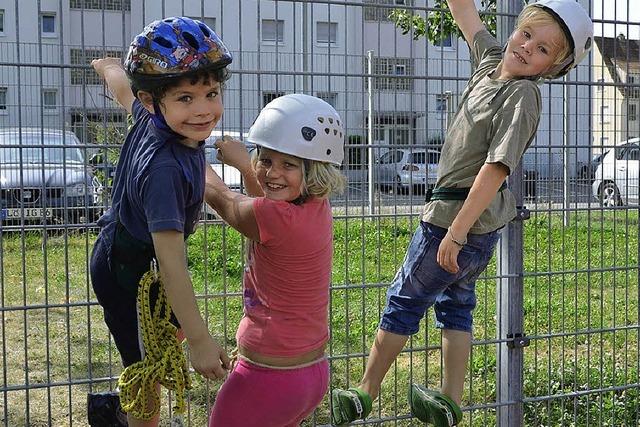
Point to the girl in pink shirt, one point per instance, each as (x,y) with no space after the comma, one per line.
(282,370)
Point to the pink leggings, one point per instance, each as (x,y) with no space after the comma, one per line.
(254,396)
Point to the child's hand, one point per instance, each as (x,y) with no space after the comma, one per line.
(101,65)
(233,153)
(448,254)
(209,359)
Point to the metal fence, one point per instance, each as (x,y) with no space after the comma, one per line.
(556,328)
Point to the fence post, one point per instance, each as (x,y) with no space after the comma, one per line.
(371,173)
(509,294)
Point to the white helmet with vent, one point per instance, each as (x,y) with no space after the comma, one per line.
(300,125)
(577,26)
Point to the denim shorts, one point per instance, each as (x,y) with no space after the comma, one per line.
(421,283)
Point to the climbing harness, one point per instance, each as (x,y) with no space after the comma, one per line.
(452,193)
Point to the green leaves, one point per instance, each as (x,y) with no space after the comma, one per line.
(439,24)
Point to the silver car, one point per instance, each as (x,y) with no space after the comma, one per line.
(403,170)
(43,174)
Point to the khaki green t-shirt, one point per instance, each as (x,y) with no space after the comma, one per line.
(495,123)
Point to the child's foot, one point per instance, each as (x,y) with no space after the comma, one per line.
(349,405)
(433,407)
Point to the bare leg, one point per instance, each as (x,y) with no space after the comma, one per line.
(384,351)
(136,422)
(456,346)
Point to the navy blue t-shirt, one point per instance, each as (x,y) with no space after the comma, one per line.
(159,182)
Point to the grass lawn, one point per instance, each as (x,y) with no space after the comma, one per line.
(580,312)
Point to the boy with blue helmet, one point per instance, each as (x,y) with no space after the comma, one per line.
(171,83)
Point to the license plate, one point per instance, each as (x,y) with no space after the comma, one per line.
(18,213)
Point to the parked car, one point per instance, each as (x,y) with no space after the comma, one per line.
(616,178)
(43,174)
(404,169)
(587,172)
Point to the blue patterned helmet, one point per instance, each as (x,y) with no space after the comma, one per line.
(171,47)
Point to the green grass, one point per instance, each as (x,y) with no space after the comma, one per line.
(580,303)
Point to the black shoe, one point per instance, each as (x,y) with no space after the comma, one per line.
(104,410)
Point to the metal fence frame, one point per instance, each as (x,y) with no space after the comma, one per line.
(271,70)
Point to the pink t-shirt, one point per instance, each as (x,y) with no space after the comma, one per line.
(286,281)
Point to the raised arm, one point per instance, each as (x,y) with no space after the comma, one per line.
(465,14)
(235,209)
(234,153)
(110,69)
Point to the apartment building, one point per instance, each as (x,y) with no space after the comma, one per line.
(320,48)
(616,98)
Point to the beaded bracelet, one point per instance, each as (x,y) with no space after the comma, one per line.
(456,241)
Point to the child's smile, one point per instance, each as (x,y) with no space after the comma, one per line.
(279,175)
(193,110)
(531,51)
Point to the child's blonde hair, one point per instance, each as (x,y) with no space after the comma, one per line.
(531,16)
(319,179)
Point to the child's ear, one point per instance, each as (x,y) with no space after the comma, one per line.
(146,100)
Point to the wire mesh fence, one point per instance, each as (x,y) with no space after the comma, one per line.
(556,326)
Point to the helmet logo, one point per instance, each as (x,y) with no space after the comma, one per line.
(159,62)
(308,133)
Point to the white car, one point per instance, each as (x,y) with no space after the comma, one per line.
(616,178)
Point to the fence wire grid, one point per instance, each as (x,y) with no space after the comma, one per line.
(556,326)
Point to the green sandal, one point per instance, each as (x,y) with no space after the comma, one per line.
(349,405)
(433,407)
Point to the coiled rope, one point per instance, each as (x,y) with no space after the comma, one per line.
(164,361)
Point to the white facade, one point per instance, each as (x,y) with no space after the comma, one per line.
(278,47)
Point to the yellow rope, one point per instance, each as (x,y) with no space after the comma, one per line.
(164,361)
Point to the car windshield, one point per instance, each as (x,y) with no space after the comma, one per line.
(34,149)
(394,156)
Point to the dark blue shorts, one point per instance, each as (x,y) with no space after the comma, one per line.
(421,283)
(115,281)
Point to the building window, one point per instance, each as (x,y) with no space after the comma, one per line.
(330,98)
(3,99)
(267,97)
(272,31)
(377,13)
(632,112)
(1,22)
(327,32)
(445,42)
(210,21)
(395,68)
(49,99)
(633,88)
(604,114)
(101,4)
(84,57)
(48,24)
(441,103)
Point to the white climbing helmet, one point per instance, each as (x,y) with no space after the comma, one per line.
(577,26)
(301,125)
